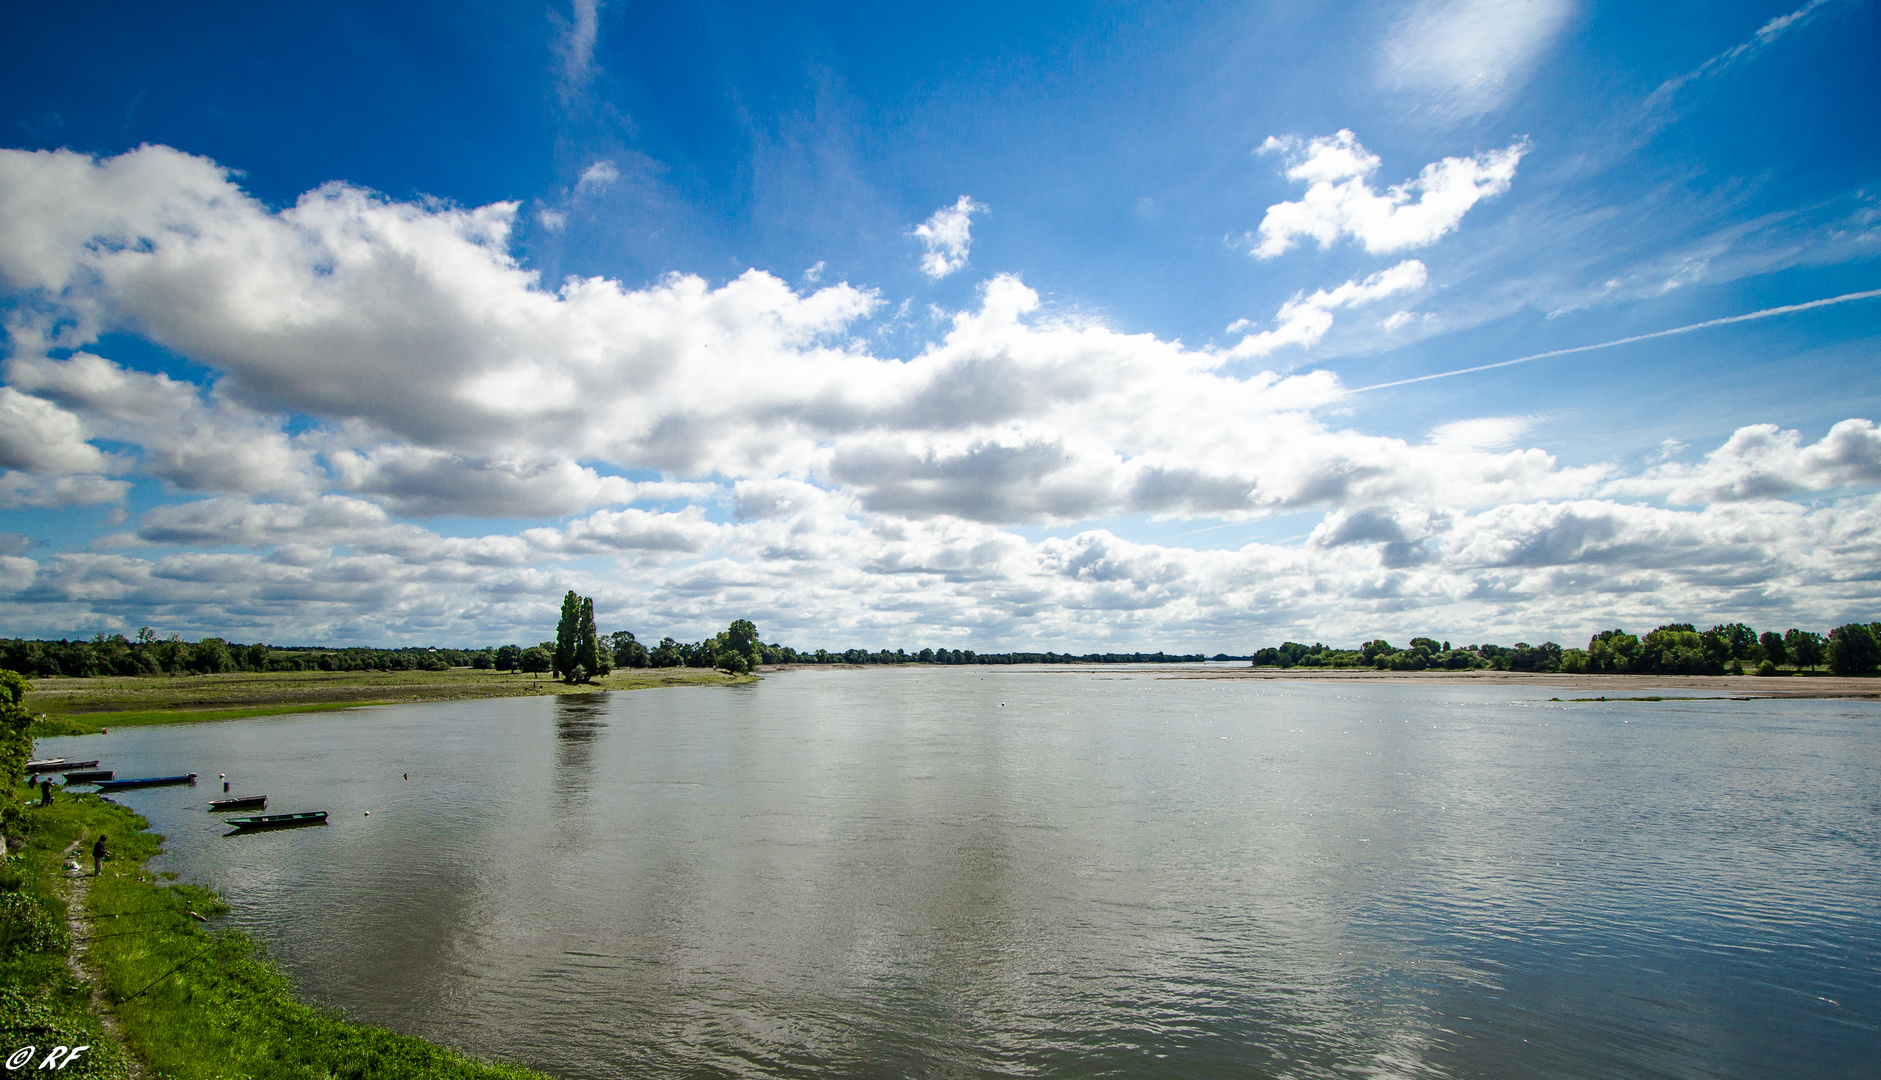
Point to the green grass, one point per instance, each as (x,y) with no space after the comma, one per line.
(83,706)
(41,1004)
(195,1002)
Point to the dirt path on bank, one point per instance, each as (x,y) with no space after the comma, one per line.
(77,890)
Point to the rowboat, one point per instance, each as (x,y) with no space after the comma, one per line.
(88,776)
(277,821)
(59,764)
(240,802)
(145,781)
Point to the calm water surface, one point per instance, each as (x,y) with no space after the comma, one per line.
(973,872)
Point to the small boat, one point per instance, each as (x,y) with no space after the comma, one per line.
(88,776)
(145,781)
(59,764)
(277,821)
(240,802)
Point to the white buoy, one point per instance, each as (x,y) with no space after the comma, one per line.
(368,813)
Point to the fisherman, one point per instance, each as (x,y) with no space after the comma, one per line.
(98,856)
(45,791)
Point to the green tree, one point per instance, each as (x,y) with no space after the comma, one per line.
(737,648)
(588,655)
(1805,648)
(567,635)
(509,657)
(668,653)
(628,652)
(1853,650)
(1772,644)
(210,656)
(536,659)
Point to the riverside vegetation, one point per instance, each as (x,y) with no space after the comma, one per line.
(187,1000)
(1673,649)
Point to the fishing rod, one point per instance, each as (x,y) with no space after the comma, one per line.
(173,971)
(141,911)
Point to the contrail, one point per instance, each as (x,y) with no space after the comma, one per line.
(1764,314)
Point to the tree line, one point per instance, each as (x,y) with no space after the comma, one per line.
(1672,649)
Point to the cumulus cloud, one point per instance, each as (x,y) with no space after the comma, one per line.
(1305,319)
(1763,462)
(419,482)
(816,577)
(1464,58)
(947,236)
(20,490)
(1341,202)
(193,441)
(38,436)
(376,361)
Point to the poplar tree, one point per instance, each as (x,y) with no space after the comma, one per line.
(587,644)
(567,636)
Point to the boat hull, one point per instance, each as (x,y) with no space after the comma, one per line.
(145,781)
(89,776)
(278,821)
(58,765)
(243,802)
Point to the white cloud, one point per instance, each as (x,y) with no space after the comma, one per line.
(1766,35)
(20,490)
(813,574)
(577,45)
(1485,433)
(598,176)
(38,436)
(1339,201)
(194,443)
(1464,58)
(871,498)
(1305,319)
(552,220)
(1764,462)
(947,236)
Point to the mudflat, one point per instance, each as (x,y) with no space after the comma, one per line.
(79,706)
(1564,685)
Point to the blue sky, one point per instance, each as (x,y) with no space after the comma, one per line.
(1038,326)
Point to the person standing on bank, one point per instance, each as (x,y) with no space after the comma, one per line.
(98,856)
(45,792)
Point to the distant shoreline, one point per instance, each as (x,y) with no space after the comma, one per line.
(1610,686)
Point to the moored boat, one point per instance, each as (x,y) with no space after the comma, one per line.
(145,781)
(240,802)
(58,764)
(88,776)
(277,821)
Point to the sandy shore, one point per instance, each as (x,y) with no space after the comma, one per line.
(1736,686)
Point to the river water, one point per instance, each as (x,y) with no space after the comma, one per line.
(1053,872)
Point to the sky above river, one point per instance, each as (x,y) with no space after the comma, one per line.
(1037,326)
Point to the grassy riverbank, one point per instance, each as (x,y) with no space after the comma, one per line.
(188,999)
(84,706)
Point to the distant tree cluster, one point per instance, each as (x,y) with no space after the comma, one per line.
(1673,649)
(149,655)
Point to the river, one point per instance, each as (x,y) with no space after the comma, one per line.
(1065,873)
